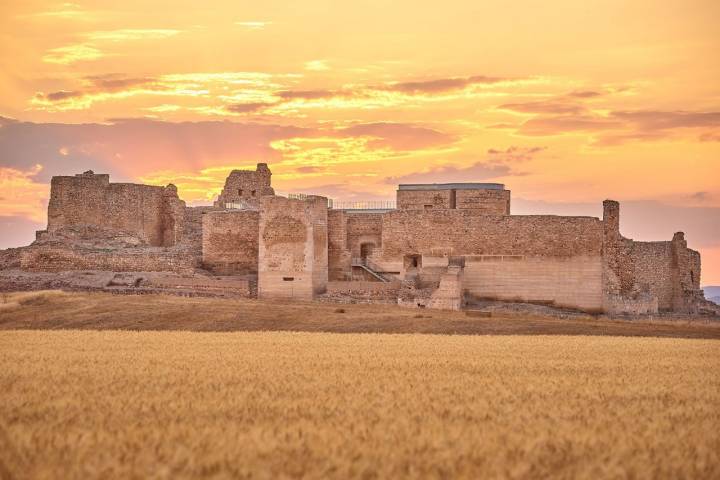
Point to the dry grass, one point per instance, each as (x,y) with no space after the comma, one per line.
(99,311)
(90,404)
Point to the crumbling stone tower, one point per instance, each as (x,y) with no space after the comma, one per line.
(245,188)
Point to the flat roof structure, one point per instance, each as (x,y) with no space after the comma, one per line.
(452,186)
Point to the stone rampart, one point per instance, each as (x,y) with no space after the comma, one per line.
(56,258)
(154,215)
(467,232)
(230,241)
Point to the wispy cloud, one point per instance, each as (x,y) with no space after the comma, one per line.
(253,25)
(317,65)
(442,84)
(131,34)
(72,53)
(65,11)
(91,45)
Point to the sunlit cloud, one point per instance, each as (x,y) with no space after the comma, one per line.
(253,25)
(22,194)
(64,11)
(317,65)
(72,53)
(131,34)
(91,46)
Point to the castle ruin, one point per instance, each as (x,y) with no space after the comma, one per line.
(443,246)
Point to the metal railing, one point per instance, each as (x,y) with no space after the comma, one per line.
(239,205)
(365,205)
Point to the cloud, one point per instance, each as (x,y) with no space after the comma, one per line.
(247,107)
(310,169)
(556,125)
(664,120)
(25,195)
(72,54)
(90,47)
(585,94)
(477,172)
(514,154)
(66,11)
(551,106)
(132,34)
(710,137)
(644,220)
(700,196)
(317,65)
(399,136)
(253,25)
(441,85)
(128,149)
(306,94)
(569,113)
(97,87)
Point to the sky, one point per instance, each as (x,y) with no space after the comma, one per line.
(567,103)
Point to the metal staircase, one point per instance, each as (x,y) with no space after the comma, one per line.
(367,266)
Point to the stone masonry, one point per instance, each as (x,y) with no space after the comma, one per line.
(444,246)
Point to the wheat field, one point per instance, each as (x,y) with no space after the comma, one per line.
(108,404)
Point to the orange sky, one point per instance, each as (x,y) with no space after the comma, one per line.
(567,103)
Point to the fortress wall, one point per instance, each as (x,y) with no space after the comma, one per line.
(535,258)
(418,199)
(363,228)
(153,214)
(468,232)
(293,248)
(574,282)
(339,258)
(649,266)
(55,258)
(230,241)
(646,276)
(491,202)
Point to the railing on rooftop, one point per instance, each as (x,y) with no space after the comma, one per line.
(365,205)
(334,204)
(239,205)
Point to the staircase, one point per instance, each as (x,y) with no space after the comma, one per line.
(365,265)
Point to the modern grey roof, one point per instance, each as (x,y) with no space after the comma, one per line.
(452,186)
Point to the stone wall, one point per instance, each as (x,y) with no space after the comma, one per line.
(423,199)
(339,258)
(487,201)
(574,282)
(57,258)
(468,232)
(230,241)
(640,276)
(364,228)
(491,202)
(293,248)
(153,215)
(246,187)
